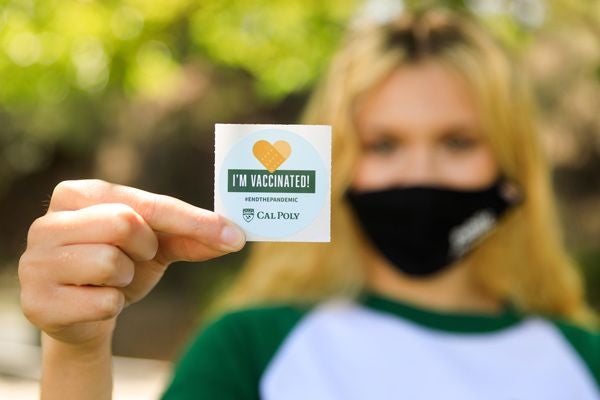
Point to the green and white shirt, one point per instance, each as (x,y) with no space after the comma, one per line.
(378,348)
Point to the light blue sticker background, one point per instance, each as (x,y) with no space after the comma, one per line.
(303,157)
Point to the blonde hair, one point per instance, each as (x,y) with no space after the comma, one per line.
(524,259)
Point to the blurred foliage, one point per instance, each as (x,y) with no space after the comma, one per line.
(54,47)
(65,64)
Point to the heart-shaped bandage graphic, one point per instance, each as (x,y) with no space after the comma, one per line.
(271,155)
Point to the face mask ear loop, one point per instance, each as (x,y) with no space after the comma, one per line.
(511,191)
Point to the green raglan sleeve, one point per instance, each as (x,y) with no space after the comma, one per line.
(587,345)
(228,357)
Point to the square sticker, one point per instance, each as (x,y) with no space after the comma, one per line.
(274,181)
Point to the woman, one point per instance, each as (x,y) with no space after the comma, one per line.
(446,276)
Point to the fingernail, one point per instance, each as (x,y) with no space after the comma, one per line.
(233,238)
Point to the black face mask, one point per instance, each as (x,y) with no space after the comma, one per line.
(420,230)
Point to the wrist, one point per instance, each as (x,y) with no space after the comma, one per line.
(76,370)
(97,341)
(89,349)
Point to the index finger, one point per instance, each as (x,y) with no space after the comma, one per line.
(162,213)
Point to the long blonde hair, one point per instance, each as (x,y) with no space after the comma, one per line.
(524,260)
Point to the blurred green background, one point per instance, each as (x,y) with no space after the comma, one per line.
(129,91)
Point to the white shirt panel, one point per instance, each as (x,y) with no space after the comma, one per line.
(350,352)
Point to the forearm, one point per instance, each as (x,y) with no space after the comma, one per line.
(76,371)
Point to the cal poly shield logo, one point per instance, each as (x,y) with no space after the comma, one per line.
(248,214)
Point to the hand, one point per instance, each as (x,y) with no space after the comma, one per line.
(101,247)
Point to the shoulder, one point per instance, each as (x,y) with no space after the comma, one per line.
(585,342)
(259,330)
(230,353)
(277,317)
(262,327)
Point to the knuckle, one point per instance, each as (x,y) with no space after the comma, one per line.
(110,304)
(23,269)
(28,311)
(127,268)
(151,246)
(68,190)
(37,226)
(107,262)
(35,288)
(29,270)
(23,260)
(124,222)
(30,306)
